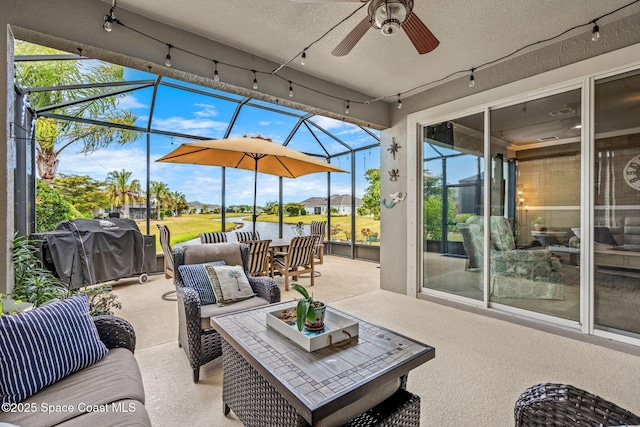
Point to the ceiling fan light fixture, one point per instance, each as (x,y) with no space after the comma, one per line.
(389,15)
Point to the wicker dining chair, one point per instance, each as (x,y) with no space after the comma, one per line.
(298,259)
(258,257)
(213,237)
(199,340)
(245,236)
(560,405)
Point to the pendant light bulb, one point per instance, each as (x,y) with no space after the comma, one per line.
(109,19)
(216,76)
(303,58)
(472,80)
(167,61)
(255,81)
(290,90)
(399,102)
(347,109)
(595,34)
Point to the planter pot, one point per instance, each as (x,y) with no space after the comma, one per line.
(10,306)
(538,227)
(318,323)
(373,238)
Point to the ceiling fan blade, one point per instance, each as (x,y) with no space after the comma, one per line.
(352,38)
(423,40)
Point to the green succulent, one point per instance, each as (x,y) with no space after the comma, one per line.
(305,309)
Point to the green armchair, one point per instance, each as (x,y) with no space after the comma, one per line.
(514,273)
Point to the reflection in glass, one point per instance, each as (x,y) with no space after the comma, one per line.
(453,173)
(617,204)
(535,205)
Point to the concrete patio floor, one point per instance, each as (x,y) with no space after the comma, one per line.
(482,363)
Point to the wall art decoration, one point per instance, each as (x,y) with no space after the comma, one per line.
(394,148)
(394,174)
(395,198)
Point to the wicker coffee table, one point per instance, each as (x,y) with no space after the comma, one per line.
(270,381)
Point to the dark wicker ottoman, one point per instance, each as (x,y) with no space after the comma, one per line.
(267,407)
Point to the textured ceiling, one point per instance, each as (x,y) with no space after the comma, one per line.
(470,33)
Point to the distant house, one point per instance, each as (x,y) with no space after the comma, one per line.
(341,202)
(200,207)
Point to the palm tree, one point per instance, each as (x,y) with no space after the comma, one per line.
(120,191)
(178,202)
(159,191)
(53,135)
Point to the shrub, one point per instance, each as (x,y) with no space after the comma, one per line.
(51,208)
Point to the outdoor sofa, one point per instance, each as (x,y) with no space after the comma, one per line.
(62,340)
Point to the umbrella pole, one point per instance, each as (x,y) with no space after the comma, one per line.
(255,193)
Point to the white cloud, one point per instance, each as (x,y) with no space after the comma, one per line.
(264,123)
(189,126)
(208,110)
(327,122)
(130,102)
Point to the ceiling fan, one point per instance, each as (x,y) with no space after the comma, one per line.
(388,16)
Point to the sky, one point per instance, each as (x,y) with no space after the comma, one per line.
(195,114)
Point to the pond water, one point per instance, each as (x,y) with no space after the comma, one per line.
(267,230)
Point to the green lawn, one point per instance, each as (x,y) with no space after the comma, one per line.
(187,227)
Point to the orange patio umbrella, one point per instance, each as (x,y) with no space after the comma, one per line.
(257,154)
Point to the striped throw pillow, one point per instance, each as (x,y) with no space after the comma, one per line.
(44,345)
(195,276)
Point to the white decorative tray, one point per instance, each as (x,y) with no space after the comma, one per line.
(336,330)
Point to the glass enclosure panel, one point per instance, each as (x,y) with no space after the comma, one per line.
(340,211)
(617,204)
(304,199)
(106,182)
(453,174)
(190,113)
(201,187)
(253,121)
(367,174)
(535,205)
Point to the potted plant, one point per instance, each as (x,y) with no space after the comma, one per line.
(538,223)
(373,237)
(309,312)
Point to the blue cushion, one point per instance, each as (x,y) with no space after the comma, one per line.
(44,345)
(195,276)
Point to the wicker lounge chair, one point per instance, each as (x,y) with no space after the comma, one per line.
(565,405)
(195,334)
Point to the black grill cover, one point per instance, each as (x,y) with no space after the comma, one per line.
(89,251)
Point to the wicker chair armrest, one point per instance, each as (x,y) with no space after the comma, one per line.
(115,332)
(265,287)
(189,303)
(189,327)
(566,405)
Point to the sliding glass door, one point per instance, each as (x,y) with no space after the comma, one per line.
(617,204)
(453,176)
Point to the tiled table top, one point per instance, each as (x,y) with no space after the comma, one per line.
(318,378)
